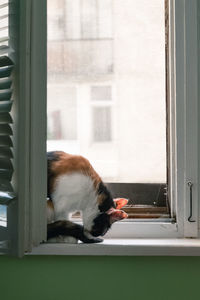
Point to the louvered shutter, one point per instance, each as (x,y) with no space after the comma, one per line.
(22,124)
(7,194)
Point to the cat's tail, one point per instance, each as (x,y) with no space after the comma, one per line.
(67,228)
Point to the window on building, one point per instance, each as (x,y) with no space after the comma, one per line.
(101,102)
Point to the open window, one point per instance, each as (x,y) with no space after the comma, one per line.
(97,96)
(118,64)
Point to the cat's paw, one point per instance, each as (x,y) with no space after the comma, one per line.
(69,240)
(52,240)
(93,240)
(90,239)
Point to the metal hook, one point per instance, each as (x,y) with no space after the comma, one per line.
(190,184)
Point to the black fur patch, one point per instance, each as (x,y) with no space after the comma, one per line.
(101,224)
(107,202)
(67,228)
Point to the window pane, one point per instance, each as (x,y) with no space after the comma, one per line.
(101,124)
(111,50)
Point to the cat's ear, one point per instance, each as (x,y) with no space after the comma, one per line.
(117,215)
(120,202)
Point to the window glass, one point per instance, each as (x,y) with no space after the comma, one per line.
(106,86)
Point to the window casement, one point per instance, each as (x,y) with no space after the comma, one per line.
(183,116)
(26,215)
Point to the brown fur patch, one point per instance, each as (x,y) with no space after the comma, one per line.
(50,205)
(50,211)
(101,198)
(68,163)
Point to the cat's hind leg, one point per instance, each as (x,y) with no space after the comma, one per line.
(67,229)
(63,239)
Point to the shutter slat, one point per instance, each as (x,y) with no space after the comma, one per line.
(5,61)
(6,197)
(6,186)
(3,5)
(6,169)
(3,234)
(6,173)
(4,49)
(5,118)
(5,152)
(5,129)
(6,71)
(6,141)
(5,106)
(4,40)
(4,245)
(5,94)
(3,17)
(4,28)
(5,83)
(6,163)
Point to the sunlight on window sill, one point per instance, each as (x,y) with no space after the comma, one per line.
(124,247)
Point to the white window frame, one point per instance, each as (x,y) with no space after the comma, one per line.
(184,147)
(183,135)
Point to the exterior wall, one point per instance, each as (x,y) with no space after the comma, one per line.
(131,60)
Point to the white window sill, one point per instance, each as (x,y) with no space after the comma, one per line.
(124,247)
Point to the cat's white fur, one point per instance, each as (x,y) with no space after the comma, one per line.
(63,239)
(74,192)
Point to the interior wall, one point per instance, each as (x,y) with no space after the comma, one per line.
(95,278)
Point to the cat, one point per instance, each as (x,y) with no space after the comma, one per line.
(73,185)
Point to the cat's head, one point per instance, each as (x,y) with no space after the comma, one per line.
(104,220)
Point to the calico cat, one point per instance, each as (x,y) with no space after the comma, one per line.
(73,185)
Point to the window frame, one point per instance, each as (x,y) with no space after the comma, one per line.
(183,160)
(26,219)
(184,140)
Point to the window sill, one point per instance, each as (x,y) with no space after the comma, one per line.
(124,247)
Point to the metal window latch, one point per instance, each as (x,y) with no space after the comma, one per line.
(190,184)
